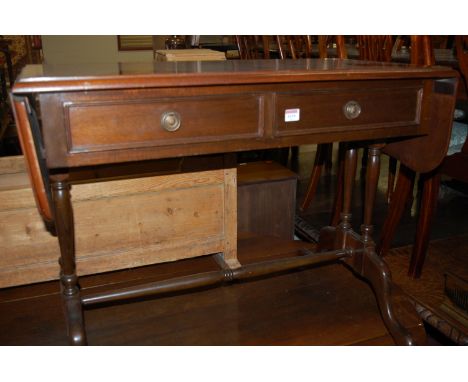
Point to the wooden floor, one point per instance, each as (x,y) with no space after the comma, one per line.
(448,251)
(444,256)
(324,305)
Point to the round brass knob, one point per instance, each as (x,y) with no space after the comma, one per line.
(170,121)
(352,109)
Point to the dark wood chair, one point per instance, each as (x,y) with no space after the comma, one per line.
(438,139)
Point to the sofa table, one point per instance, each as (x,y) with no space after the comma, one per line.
(86,116)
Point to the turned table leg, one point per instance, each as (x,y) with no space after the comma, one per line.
(372,181)
(336,236)
(68,278)
(350,165)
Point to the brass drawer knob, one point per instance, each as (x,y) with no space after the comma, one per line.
(170,121)
(352,109)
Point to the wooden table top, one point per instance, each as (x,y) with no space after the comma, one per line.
(52,78)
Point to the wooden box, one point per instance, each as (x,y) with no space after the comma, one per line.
(189,55)
(266,199)
(120,223)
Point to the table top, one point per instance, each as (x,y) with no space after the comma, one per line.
(52,78)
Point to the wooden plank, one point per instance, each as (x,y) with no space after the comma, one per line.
(14,181)
(230,218)
(189,55)
(15,199)
(12,164)
(116,188)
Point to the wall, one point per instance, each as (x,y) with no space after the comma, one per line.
(79,49)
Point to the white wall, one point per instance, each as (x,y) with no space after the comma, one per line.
(79,49)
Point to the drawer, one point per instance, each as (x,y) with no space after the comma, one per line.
(332,110)
(101,125)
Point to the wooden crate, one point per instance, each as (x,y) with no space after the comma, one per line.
(120,223)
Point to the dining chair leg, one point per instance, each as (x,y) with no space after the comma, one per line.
(338,202)
(328,163)
(392,164)
(404,185)
(317,168)
(431,183)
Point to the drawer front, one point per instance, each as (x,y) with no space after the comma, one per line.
(102,125)
(331,110)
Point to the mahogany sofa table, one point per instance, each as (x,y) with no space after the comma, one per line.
(92,115)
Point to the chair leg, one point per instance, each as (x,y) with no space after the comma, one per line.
(404,185)
(392,164)
(315,175)
(328,158)
(294,162)
(431,183)
(338,202)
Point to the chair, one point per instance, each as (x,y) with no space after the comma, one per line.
(421,54)
(455,165)
(253,47)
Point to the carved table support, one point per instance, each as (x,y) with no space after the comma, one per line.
(366,263)
(341,242)
(68,278)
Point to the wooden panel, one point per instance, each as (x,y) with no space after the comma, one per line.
(121,224)
(12,165)
(109,125)
(266,199)
(322,110)
(230,218)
